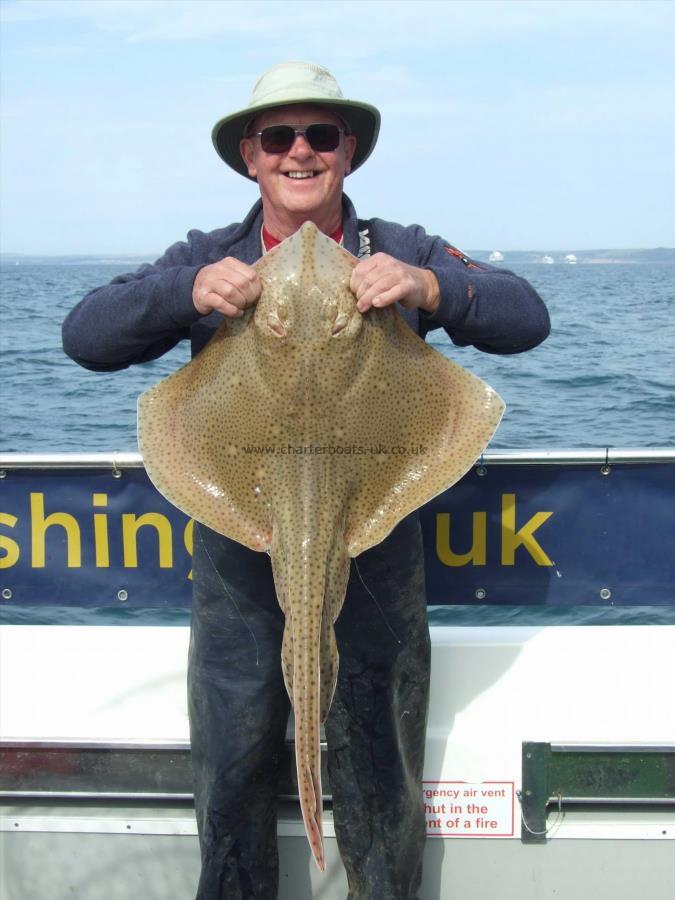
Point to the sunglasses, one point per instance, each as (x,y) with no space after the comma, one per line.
(280,138)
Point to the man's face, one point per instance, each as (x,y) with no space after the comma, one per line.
(318,194)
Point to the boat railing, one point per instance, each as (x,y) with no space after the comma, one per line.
(131,460)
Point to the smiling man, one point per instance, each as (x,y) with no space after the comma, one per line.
(299,138)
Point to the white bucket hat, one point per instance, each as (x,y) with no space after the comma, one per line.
(297,82)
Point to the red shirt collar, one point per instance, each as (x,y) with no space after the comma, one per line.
(269,241)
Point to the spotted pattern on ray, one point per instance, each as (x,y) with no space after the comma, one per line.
(309,431)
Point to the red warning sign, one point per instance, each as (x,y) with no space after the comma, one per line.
(466,809)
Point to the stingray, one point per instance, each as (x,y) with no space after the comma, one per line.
(308,430)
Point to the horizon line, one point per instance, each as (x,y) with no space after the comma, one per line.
(135,255)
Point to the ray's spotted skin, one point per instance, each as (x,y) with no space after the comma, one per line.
(308,430)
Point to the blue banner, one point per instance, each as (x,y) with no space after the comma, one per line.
(520,535)
(553,534)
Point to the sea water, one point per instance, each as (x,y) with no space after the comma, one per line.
(604,378)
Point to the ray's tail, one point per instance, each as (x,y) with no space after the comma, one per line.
(303,651)
(311,571)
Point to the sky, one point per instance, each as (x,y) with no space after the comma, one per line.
(505,125)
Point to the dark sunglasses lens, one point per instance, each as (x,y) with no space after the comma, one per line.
(323,138)
(277,138)
(280,138)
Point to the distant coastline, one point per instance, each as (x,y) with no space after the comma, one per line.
(654,256)
(93,259)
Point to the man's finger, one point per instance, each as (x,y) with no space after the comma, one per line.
(231,280)
(216,303)
(238,294)
(245,277)
(380,286)
(229,263)
(362,272)
(386,298)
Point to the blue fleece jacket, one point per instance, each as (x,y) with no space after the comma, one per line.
(140,316)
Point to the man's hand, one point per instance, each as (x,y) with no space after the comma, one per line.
(228,286)
(382,280)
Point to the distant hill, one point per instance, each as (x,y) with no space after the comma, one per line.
(655,256)
(133,260)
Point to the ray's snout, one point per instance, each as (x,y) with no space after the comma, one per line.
(306,293)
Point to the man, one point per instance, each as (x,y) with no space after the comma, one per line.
(299,138)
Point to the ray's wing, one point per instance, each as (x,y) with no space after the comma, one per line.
(419,424)
(203,432)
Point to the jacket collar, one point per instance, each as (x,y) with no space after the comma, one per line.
(247,246)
